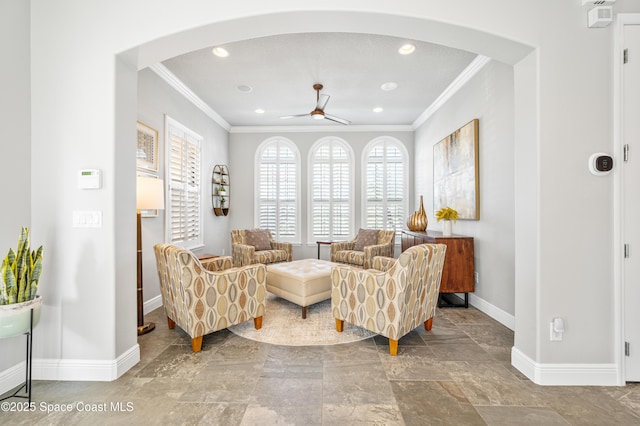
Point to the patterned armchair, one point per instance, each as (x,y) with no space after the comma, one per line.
(361,250)
(203,298)
(394,300)
(249,246)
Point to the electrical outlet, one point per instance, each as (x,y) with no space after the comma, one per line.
(476,278)
(554,336)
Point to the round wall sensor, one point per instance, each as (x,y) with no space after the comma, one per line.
(600,164)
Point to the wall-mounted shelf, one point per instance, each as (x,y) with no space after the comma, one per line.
(220,190)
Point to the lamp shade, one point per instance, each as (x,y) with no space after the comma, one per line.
(150,193)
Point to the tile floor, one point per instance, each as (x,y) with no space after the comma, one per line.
(457,374)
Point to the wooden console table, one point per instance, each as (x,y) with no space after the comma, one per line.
(459,266)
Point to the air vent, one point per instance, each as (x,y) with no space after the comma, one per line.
(600,16)
(597,2)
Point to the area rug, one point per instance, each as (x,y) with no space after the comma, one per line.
(282,324)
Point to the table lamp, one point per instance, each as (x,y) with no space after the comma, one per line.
(149,196)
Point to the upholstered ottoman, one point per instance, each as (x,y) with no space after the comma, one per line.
(303,282)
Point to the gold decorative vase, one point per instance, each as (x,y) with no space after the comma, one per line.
(418,220)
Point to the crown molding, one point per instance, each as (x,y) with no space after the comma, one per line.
(467,74)
(320,129)
(173,81)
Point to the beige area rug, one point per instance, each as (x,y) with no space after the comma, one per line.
(282,324)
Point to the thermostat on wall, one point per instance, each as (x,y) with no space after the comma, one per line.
(600,164)
(89,179)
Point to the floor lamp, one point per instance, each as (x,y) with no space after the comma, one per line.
(149,196)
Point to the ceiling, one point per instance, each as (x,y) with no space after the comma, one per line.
(281,71)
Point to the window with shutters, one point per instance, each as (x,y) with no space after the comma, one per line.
(331,189)
(386,180)
(183,215)
(277,189)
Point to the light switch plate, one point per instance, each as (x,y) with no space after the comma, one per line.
(87,219)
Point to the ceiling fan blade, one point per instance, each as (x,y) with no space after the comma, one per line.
(336,119)
(295,116)
(322,102)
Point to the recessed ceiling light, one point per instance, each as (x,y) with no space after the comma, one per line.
(259,111)
(244,88)
(220,52)
(389,85)
(407,49)
(378,109)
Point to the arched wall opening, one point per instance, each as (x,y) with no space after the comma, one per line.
(522,57)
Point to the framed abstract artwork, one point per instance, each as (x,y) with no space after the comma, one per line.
(147,148)
(455,172)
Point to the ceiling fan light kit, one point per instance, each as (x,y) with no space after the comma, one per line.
(318,113)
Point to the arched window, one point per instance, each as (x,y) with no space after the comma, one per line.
(331,202)
(386,180)
(277,189)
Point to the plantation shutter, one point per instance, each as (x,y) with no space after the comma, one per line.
(184,221)
(278,190)
(331,191)
(385,183)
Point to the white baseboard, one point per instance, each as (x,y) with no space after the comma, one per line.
(152,304)
(13,377)
(71,369)
(565,374)
(494,312)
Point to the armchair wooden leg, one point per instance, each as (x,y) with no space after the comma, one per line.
(339,325)
(171,323)
(428,324)
(393,347)
(196,344)
(257,323)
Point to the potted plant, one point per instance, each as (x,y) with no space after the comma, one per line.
(19,277)
(447,214)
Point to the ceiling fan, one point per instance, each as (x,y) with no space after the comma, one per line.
(319,113)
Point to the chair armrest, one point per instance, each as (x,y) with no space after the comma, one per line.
(376,250)
(288,247)
(382,263)
(217,263)
(242,254)
(342,245)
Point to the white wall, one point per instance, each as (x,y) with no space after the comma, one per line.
(155,99)
(243,147)
(15,160)
(76,121)
(489,97)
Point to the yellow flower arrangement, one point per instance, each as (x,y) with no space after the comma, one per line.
(447,213)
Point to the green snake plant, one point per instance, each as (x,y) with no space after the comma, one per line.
(20,272)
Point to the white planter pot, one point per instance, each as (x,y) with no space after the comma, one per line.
(15,319)
(446,228)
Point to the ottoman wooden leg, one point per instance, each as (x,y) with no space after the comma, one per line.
(304,312)
(339,325)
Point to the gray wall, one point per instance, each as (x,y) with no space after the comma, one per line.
(243,147)
(155,99)
(15,161)
(488,97)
